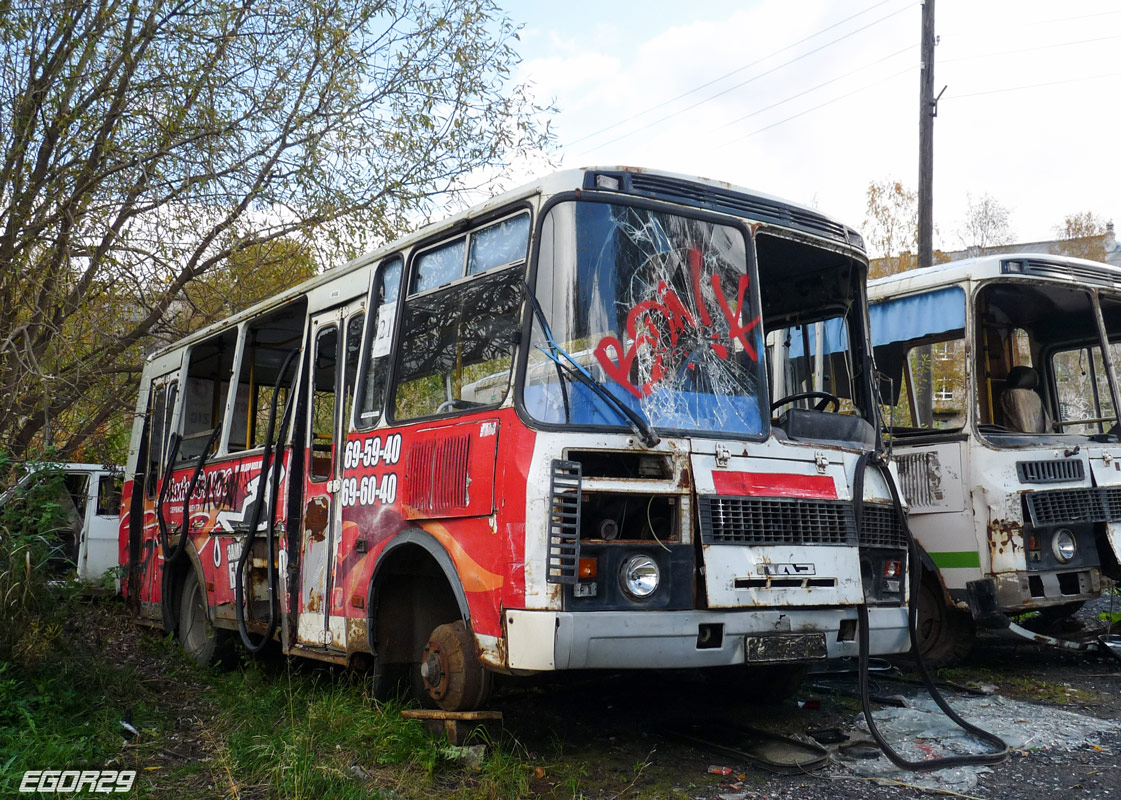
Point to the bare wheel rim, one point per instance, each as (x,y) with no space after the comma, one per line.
(194,629)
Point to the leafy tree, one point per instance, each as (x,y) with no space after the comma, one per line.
(247,277)
(891,229)
(987,222)
(144,145)
(1083,235)
(891,226)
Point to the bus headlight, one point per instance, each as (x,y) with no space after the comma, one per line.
(639,576)
(1064,545)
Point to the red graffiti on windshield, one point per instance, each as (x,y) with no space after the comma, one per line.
(666,325)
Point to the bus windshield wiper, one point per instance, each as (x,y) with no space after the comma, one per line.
(577,371)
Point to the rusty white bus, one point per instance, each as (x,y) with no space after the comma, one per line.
(1001,388)
(544,434)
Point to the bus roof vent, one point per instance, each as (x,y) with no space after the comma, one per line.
(741,204)
(1052,471)
(1072,273)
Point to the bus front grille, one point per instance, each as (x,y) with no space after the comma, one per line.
(770,521)
(880,526)
(1072,505)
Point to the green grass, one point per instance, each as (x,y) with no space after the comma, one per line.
(1023,687)
(277,729)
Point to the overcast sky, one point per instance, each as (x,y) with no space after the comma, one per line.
(812,100)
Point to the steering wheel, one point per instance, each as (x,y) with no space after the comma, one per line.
(826,399)
(456,405)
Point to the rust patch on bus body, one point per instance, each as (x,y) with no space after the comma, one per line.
(1005,536)
(316,519)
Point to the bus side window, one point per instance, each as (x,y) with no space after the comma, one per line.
(379,333)
(457,346)
(1085,404)
(353,347)
(457,342)
(205,390)
(324,363)
(78,485)
(161,405)
(268,342)
(932,387)
(921,352)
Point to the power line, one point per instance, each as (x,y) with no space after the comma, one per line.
(818,106)
(770,71)
(1034,86)
(705,85)
(1027,49)
(819,86)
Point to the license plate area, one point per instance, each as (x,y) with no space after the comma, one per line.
(779,647)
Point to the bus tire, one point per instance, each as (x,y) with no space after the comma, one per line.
(198,637)
(945,634)
(452,676)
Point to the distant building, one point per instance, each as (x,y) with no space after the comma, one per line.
(1096,248)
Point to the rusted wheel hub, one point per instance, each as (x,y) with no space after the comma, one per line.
(450,670)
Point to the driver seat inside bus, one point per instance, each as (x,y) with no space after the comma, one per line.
(1021,403)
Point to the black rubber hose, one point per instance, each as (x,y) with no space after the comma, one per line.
(915,570)
(161,497)
(267,465)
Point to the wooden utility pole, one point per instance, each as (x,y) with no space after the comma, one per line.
(927,110)
(923,370)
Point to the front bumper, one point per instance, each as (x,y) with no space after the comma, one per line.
(558,640)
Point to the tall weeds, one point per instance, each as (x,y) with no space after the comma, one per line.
(31,520)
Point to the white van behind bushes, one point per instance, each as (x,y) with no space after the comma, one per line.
(89,504)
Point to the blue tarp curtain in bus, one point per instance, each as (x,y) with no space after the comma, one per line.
(918,316)
(836,337)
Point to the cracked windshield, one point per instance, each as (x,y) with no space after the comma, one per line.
(656,308)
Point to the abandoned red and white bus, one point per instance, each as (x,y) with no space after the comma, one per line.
(609,420)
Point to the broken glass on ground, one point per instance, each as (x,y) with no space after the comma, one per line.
(921,731)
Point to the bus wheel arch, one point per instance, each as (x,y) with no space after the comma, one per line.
(945,633)
(186,601)
(173,576)
(417,614)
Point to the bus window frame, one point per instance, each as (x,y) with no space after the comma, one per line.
(467,236)
(522,363)
(334,325)
(295,371)
(388,417)
(372,308)
(1048,355)
(223,406)
(170,383)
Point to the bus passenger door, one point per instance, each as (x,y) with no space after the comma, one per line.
(319,536)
